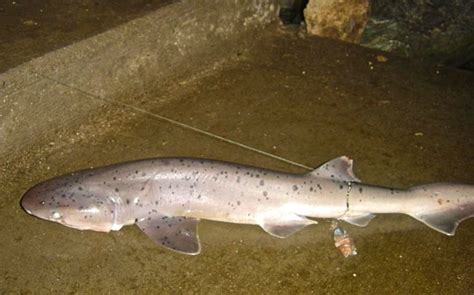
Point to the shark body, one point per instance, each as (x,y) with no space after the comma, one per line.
(166,198)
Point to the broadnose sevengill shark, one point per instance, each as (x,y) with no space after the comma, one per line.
(166,198)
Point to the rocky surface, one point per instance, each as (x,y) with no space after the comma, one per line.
(433,30)
(338,19)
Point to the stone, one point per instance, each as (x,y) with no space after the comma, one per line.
(338,19)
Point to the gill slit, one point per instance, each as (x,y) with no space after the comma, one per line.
(117,206)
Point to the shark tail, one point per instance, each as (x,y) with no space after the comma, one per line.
(442,206)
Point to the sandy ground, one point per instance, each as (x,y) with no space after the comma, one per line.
(305,99)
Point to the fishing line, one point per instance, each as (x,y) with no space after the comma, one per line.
(182,125)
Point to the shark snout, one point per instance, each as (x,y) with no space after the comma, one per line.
(27,202)
(33,202)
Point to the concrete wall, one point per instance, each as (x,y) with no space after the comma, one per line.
(52,91)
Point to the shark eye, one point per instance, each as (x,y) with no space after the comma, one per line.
(56,215)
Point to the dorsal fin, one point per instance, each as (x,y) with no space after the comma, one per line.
(338,169)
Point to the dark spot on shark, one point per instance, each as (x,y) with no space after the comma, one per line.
(319,186)
(360,190)
(265,193)
(295,187)
(127,201)
(341,186)
(116,190)
(238,203)
(80,188)
(114,178)
(311,189)
(262,182)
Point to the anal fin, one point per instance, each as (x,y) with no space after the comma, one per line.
(282,226)
(358,219)
(177,233)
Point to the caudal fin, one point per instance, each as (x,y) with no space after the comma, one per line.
(442,206)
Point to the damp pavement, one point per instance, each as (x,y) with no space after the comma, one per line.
(306,99)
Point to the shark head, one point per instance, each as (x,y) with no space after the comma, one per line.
(68,201)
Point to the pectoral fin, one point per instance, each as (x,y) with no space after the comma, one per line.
(176,233)
(282,226)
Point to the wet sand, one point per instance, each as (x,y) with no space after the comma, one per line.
(306,99)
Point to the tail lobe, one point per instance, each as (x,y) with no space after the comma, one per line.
(442,206)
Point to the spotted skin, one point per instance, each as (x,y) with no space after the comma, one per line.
(166,198)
